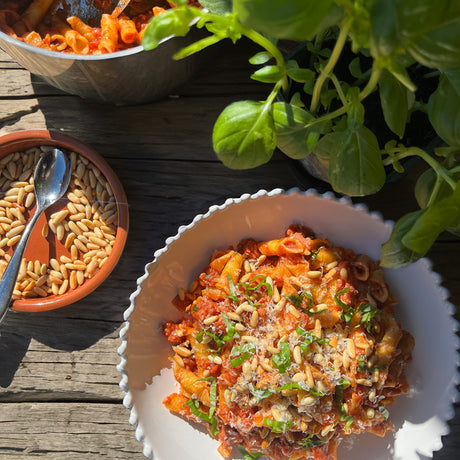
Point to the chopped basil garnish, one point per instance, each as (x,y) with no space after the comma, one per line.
(339,302)
(367,313)
(195,307)
(311,441)
(276,426)
(241,353)
(231,332)
(249,455)
(362,367)
(297,301)
(212,393)
(258,393)
(299,386)
(344,383)
(343,416)
(308,338)
(347,311)
(248,288)
(194,405)
(233,296)
(282,360)
(314,254)
(384,411)
(219,342)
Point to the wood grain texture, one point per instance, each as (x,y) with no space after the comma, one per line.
(59,393)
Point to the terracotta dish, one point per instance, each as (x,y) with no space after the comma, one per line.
(39,292)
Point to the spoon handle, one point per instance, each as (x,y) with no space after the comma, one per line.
(10,275)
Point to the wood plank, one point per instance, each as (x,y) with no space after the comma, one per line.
(67,430)
(227,73)
(43,372)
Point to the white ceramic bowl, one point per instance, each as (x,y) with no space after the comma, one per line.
(420,418)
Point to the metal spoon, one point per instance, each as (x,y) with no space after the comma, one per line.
(51,179)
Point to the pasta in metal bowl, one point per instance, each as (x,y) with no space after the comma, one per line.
(287,346)
(52,25)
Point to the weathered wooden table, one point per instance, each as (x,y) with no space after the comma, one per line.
(59,393)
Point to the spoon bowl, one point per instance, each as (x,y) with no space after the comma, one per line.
(51,179)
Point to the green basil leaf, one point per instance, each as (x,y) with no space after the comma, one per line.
(384,27)
(260,58)
(453,75)
(438,48)
(173,22)
(394,102)
(428,30)
(399,71)
(241,353)
(278,426)
(298,74)
(354,68)
(355,116)
(244,135)
(355,161)
(269,74)
(425,187)
(443,112)
(286,19)
(293,138)
(394,253)
(220,7)
(432,221)
(282,360)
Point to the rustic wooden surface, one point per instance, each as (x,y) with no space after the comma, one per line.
(59,393)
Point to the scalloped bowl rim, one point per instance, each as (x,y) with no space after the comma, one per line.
(450,394)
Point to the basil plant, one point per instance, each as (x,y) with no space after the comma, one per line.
(313,109)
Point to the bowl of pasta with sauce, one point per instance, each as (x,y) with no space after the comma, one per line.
(263,329)
(98,60)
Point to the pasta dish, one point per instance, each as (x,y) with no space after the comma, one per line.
(286,347)
(50,24)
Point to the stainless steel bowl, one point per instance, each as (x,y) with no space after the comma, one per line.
(131,76)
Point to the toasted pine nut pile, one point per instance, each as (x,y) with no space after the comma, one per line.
(86,226)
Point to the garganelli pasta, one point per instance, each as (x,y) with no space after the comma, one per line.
(47,24)
(287,346)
